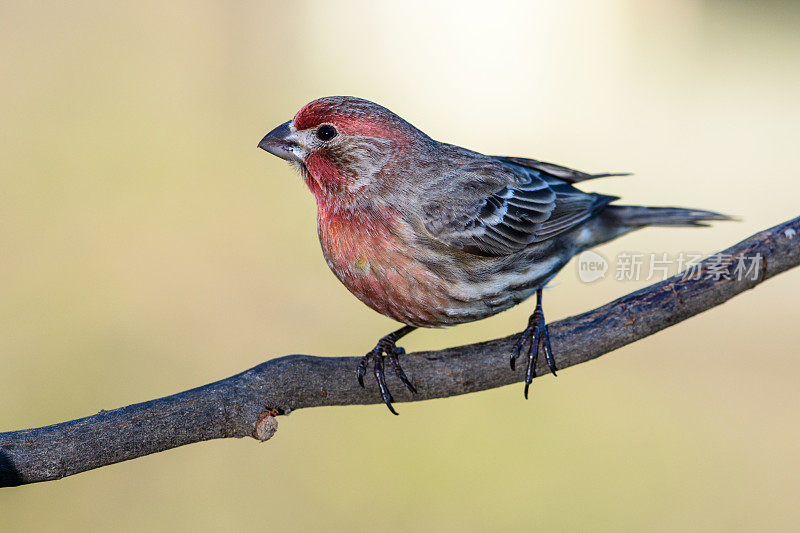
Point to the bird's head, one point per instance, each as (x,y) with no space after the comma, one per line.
(342,145)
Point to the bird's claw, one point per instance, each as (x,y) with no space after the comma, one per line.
(362,369)
(385,349)
(536,337)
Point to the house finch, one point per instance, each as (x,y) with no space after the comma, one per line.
(431,234)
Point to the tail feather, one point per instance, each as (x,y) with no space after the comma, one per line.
(637,216)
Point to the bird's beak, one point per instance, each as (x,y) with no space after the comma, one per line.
(283,142)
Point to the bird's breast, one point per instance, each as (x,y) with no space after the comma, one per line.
(380,260)
(371,255)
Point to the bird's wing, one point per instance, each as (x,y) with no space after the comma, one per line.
(491,208)
(569,175)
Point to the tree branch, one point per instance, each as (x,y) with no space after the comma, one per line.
(246,404)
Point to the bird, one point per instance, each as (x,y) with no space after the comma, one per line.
(432,235)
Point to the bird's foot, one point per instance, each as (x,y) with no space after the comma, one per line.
(385,349)
(535,337)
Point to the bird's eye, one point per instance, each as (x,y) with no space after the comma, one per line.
(326,132)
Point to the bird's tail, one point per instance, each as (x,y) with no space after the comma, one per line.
(637,216)
(617,220)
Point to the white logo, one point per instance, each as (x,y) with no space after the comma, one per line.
(591,266)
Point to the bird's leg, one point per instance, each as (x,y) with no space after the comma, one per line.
(535,336)
(386,348)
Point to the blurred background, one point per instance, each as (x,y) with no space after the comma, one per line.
(147,246)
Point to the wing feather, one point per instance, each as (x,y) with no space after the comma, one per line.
(570,175)
(497,206)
